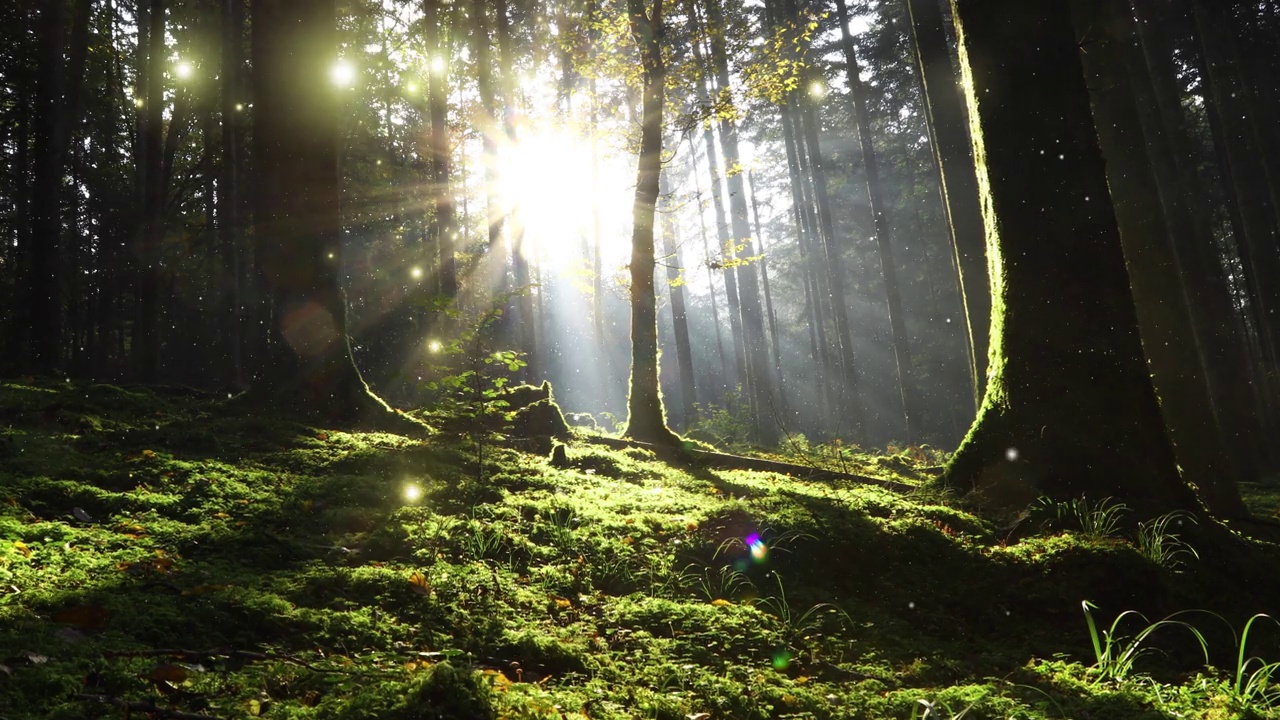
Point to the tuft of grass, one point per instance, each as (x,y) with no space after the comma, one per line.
(1115,654)
(1160,545)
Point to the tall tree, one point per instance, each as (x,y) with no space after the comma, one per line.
(299,223)
(679,315)
(646,420)
(764,400)
(1171,343)
(443,224)
(232,106)
(949,139)
(883,228)
(1069,408)
(57,106)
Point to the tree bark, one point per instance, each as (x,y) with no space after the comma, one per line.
(444,226)
(229,186)
(1069,408)
(646,420)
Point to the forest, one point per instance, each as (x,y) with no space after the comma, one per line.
(679,359)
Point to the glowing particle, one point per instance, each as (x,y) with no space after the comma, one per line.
(342,74)
(411,88)
(1011,454)
(239,107)
(184,71)
(437,65)
(412,493)
(434,346)
(817,89)
(759,551)
(781,660)
(137,102)
(416,272)
(911,605)
(330,256)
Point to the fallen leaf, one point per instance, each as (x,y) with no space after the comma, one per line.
(22,548)
(148,454)
(721,602)
(85,617)
(221,515)
(691,527)
(419,583)
(37,659)
(698,716)
(255,707)
(168,672)
(628,540)
(322,436)
(81,515)
(563,602)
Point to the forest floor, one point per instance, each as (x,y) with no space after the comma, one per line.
(161,557)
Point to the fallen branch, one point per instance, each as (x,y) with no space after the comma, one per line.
(221,653)
(148,707)
(741,462)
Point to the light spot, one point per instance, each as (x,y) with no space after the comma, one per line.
(415,272)
(437,65)
(1011,454)
(184,71)
(239,107)
(911,605)
(817,89)
(412,493)
(434,346)
(343,74)
(411,88)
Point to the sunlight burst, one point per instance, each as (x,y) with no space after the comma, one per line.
(545,180)
(412,493)
(343,74)
(184,71)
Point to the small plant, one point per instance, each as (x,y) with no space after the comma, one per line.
(797,626)
(724,584)
(1254,689)
(1162,547)
(1095,520)
(1115,655)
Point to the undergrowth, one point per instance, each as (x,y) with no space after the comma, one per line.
(160,556)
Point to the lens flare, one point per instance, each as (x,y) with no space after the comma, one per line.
(343,74)
(412,493)
(759,551)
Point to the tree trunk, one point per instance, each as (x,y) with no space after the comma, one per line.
(1171,344)
(645,417)
(299,224)
(679,318)
(764,400)
(146,337)
(775,341)
(229,187)
(741,373)
(444,227)
(711,275)
(949,138)
(1069,408)
(884,231)
(45,283)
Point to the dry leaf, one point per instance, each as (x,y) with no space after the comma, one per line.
(221,515)
(85,617)
(721,602)
(22,548)
(168,672)
(698,716)
(419,583)
(322,436)
(148,454)
(255,707)
(563,602)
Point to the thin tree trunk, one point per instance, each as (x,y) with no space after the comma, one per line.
(949,138)
(775,340)
(763,396)
(443,223)
(679,318)
(884,231)
(229,188)
(711,276)
(645,417)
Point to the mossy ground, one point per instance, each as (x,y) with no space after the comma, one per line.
(315,573)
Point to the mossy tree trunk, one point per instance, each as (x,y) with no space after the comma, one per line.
(645,417)
(1069,408)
